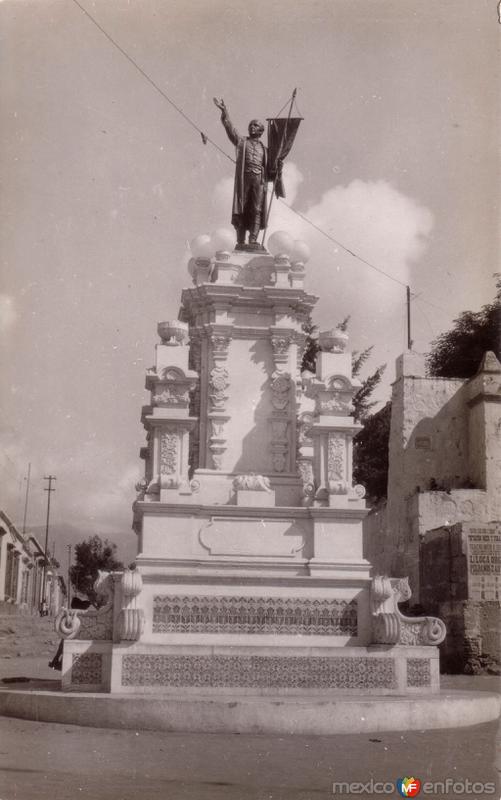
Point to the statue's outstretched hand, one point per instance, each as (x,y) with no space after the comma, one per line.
(220,104)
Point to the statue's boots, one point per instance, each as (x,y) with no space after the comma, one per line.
(253,234)
(240,234)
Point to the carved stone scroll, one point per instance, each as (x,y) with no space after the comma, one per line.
(390,626)
(131,618)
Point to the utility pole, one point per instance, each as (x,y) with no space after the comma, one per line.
(48,489)
(26,498)
(69,579)
(409,339)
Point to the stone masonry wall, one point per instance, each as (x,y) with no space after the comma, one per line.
(450,588)
(445,467)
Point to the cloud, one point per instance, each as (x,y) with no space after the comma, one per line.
(8,314)
(110,503)
(376,221)
(371,218)
(90,491)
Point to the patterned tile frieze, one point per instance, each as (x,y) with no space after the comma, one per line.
(274,615)
(86,668)
(96,624)
(260,672)
(418,672)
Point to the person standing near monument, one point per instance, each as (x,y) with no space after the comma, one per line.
(251,176)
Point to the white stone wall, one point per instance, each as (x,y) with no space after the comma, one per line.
(445,463)
(250,365)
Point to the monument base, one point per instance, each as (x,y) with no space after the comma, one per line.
(131,668)
(253,714)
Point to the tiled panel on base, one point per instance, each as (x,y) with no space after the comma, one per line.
(418,672)
(87,668)
(272,615)
(259,672)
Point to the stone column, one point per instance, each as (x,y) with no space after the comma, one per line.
(333,428)
(218,338)
(167,419)
(305,457)
(282,400)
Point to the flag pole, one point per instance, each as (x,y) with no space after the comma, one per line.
(276,174)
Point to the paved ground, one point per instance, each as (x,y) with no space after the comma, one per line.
(25,635)
(45,761)
(42,761)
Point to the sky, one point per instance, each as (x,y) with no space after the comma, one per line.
(105,183)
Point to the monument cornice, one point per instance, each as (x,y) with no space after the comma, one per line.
(338,423)
(303,580)
(170,419)
(157,508)
(212,293)
(233,566)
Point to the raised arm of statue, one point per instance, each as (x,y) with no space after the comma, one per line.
(231,131)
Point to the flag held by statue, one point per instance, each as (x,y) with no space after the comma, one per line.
(281,134)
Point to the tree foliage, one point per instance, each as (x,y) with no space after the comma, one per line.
(309,361)
(370,454)
(361,399)
(92,555)
(457,353)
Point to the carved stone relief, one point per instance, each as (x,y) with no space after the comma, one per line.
(305,470)
(252,483)
(279,462)
(169,444)
(305,422)
(220,346)
(280,346)
(171,396)
(218,385)
(279,430)
(336,405)
(281,389)
(336,464)
(216,440)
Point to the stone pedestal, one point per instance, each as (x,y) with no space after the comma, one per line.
(249,526)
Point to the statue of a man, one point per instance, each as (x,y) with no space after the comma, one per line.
(251,176)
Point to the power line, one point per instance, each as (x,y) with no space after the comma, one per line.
(433,333)
(204,136)
(347,249)
(206,139)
